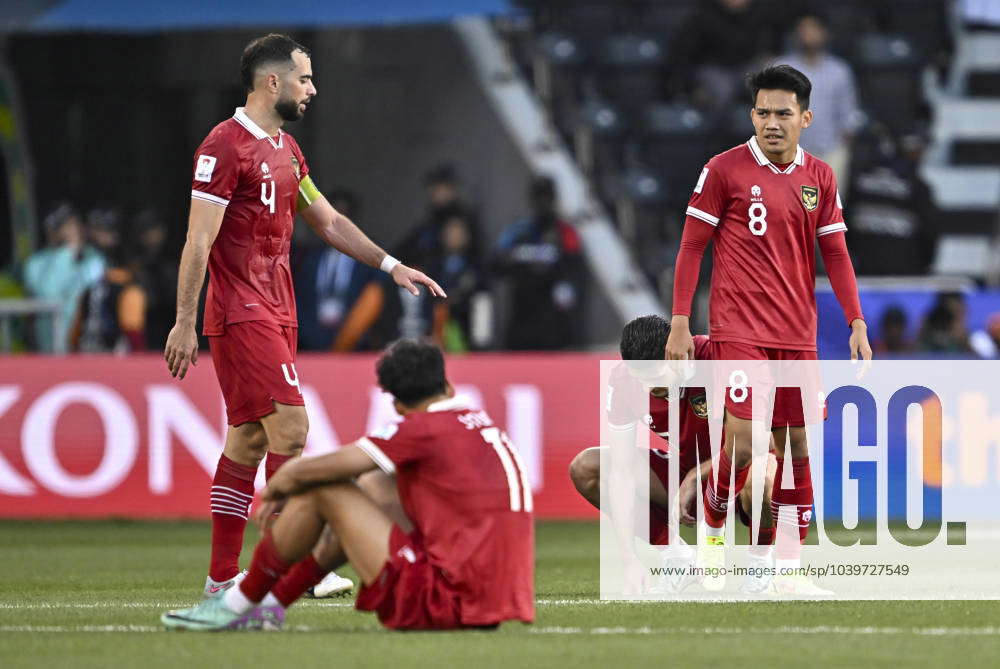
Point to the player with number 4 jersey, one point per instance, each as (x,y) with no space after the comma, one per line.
(250,179)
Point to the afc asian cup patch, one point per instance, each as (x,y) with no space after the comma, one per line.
(295,166)
(205,167)
(810,197)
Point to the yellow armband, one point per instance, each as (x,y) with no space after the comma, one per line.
(308,193)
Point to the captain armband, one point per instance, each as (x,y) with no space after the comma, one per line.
(308,193)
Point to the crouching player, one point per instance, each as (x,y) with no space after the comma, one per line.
(645,338)
(467,563)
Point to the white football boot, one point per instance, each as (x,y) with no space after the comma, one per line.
(332,585)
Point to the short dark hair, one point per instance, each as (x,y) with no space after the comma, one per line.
(645,338)
(781,78)
(411,371)
(272,48)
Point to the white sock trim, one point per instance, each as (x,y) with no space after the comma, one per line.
(236,601)
(714,531)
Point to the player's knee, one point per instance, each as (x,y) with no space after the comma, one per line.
(585,470)
(292,439)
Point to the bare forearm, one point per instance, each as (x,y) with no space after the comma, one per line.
(191,276)
(348,238)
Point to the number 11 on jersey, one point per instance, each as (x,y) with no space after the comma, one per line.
(517,480)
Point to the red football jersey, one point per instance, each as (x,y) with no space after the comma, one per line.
(256,178)
(766,222)
(462,484)
(625,396)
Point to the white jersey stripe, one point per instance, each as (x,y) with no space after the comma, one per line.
(833,227)
(208,197)
(376,454)
(703,215)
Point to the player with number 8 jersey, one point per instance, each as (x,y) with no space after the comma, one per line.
(765,204)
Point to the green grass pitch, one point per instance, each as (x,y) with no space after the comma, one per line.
(89,594)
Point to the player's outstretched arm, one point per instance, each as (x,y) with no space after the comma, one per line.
(340,232)
(182,342)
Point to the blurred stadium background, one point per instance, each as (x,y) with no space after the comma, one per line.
(535,156)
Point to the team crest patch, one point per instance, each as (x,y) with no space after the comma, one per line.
(699,405)
(810,197)
(295,166)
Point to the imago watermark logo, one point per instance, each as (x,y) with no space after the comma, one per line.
(799,479)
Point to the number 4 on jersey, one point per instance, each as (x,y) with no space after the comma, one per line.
(268,201)
(517,480)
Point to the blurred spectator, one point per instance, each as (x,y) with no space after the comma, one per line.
(892,338)
(461,277)
(986,342)
(158,276)
(338,299)
(540,256)
(716,46)
(112,313)
(891,216)
(945,329)
(833,101)
(422,246)
(61,271)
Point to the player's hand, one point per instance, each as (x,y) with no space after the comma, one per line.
(409,278)
(636,577)
(680,343)
(264,513)
(860,348)
(181,349)
(687,499)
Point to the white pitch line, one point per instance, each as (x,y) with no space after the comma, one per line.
(174,605)
(779,631)
(593,631)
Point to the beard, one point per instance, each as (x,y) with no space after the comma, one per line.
(288,109)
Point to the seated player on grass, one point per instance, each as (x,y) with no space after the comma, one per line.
(645,338)
(469,561)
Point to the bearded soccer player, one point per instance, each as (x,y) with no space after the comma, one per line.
(765,204)
(467,563)
(250,180)
(645,338)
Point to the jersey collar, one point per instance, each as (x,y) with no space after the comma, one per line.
(763,161)
(456,403)
(240,116)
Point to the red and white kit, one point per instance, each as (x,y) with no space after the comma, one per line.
(764,220)
(250,307)
(469,562)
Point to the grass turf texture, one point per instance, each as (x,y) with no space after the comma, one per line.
(65,584)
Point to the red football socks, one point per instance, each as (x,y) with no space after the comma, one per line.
(718,492)
(232,492)
(304,575)
(792,509)
(273,462)
(266,569)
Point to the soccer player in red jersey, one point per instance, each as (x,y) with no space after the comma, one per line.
(468,562)
(250,180)
(644,338)
(765,204)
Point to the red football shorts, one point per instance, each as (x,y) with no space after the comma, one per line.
(787,401)
(255,363)
(410,593)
